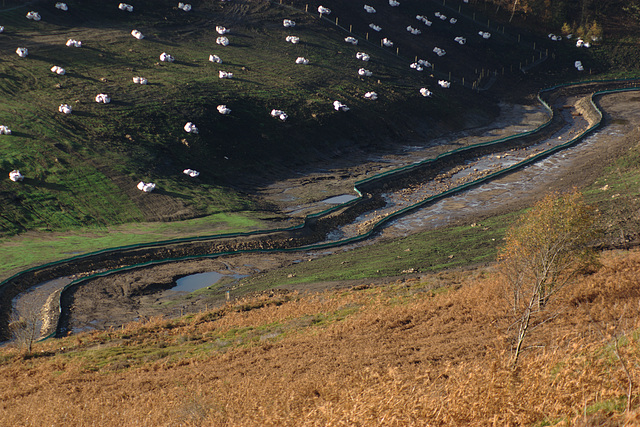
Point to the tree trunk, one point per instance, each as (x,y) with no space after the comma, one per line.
(513,11)
(522,333)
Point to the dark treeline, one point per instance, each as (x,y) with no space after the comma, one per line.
(580,17)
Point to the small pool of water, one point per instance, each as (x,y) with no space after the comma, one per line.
(340,199)
(193,282)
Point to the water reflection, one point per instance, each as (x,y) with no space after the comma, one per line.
(193,282)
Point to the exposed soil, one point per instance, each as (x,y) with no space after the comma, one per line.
(117,299)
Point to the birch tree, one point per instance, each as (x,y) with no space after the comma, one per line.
(26,328)
(543,252)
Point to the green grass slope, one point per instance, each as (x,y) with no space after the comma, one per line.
(81,169)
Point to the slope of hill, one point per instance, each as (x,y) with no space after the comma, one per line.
(431,351)
(82,169)
(428,350)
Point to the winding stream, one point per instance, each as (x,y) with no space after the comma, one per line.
(480,199)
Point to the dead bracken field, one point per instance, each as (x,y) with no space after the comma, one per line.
(413,353)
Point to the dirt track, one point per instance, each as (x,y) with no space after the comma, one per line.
(120,298)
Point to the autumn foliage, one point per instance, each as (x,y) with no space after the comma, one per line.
(544,251)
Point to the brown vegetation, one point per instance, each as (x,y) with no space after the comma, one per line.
(544,251)
(434,351)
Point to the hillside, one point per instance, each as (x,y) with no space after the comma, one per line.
(427,351)
(411,330)
(81,169)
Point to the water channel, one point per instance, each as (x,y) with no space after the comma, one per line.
(480,199)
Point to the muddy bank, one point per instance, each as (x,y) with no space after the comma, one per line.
(314,230)
(585,165)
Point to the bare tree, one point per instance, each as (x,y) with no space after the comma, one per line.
(26,327)
(543,252)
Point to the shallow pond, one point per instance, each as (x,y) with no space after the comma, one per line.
(340,199)
(193,282)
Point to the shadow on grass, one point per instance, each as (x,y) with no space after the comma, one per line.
(36,57)
(240,79)
(231,43)
(313,45)
(172,194)
(227,64)
(238,35)
(21,134)
(42,184)
(83,114)
(187,64)
(121,103)
(319,66)
(161,42)
(81,76)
